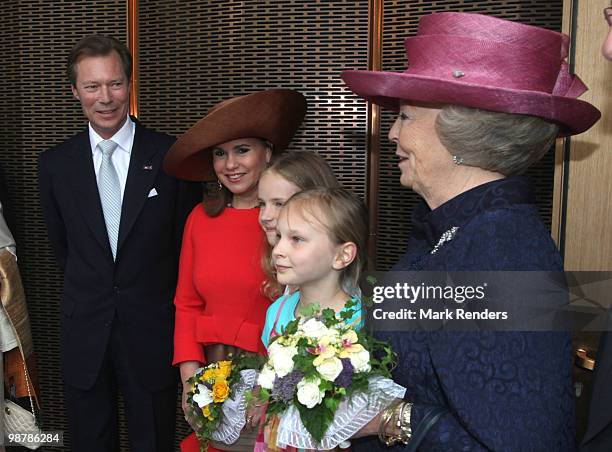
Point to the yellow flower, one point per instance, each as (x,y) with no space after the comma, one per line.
(225,368)
(220,391)
(349,337)
(207,414)
(209,374)
(349,344)
(324,349)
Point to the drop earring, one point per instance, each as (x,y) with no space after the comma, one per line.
(457,160)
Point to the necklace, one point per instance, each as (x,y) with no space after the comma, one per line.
(231,204)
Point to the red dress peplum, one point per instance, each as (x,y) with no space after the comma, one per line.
(218,296)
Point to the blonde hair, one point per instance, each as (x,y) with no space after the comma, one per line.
(305,170)
(344,216)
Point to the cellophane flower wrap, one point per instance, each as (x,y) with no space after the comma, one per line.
(217,398)
(326,379)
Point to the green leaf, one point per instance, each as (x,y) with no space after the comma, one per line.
(326,385)
(359,383)
(316,419)
(347,314)
(303,362)
(276,407)
(328,314)
(303,342)
(351,303)
(291,328)
(332,403)
(264,394)
(247,361)
(310,310)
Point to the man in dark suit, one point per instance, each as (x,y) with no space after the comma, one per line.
(115,221)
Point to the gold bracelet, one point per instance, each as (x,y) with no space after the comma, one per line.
(384,421)
(404,423)
(388,440)
(386,414)
(398,422)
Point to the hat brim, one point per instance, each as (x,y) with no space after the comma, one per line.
(273,115)
(387,89)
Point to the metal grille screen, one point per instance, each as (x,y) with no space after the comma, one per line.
(218,50)
(400,20)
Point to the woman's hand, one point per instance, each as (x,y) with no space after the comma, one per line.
(372,427)
(255,412)
(188,369)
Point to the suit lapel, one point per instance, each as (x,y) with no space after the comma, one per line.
(85,189)
(141,176)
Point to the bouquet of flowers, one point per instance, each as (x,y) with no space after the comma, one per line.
(325,380)
(218,398)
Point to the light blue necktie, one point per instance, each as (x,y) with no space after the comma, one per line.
(110,193)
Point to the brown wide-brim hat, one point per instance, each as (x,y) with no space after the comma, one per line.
(484,62)
(273,115)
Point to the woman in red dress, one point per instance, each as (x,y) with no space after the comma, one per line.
(220,307)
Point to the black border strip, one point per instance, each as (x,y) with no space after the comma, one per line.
(568,141)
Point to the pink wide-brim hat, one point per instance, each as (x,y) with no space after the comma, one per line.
(484,62)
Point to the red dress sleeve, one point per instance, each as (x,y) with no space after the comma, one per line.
(189,305)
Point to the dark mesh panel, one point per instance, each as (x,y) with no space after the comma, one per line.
(217,50)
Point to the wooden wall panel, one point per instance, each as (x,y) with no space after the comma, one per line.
(582,216)
(585,220)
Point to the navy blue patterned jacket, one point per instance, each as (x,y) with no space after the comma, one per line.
(504,391)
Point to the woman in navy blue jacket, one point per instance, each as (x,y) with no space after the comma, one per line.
(481,101)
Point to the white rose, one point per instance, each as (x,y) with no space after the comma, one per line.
(314,328)
(330,368)
(308,392)
(281,358)
(360,360)
(266,377)
(204,396)
(274,348)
